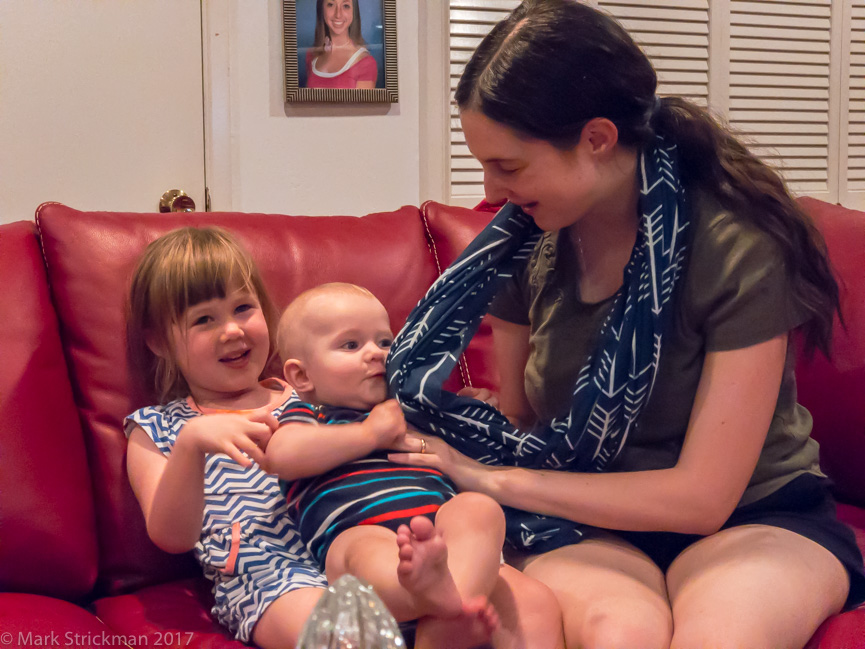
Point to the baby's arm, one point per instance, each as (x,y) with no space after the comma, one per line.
(300,450)
(170,489)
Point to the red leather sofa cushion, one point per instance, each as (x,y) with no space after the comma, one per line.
(47,538)
(38,621)
(176,614)
(90,257)
(834,390)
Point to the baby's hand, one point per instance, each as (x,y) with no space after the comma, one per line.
(386,423)
(243,438)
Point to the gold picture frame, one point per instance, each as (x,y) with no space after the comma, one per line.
(300,18)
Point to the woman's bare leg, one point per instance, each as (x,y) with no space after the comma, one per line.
(612,596)
(753,586)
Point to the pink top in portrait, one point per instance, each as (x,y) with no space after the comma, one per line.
(356,69)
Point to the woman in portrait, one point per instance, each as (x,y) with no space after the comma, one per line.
(339,58)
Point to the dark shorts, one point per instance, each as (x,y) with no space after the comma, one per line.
(804,506)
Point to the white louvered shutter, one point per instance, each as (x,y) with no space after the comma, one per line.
(770,66)
(470,21)
(675,36)
(855,127)
(779,86)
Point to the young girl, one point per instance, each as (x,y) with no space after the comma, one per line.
(199,336)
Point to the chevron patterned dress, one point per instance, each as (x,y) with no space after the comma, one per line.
(249,546)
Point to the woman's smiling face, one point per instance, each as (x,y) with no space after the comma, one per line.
(553,186)
(338,16)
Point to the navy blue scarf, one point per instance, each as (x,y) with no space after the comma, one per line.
(613,385)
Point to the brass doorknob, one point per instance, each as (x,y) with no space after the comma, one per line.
(176,200)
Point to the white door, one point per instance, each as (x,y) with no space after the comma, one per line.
(100,104)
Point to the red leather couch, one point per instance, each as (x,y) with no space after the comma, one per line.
(76,566)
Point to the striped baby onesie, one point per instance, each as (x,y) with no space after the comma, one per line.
(369,491)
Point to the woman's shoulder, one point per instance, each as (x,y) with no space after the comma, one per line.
(737,286)
(365,64)
(719,232)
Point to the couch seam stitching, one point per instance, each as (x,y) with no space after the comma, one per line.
(42,238)
(462,364)
(430,241)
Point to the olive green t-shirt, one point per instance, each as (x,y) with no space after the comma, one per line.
(734,292)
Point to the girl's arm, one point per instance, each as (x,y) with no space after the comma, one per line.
(170,489)
(300,450)
(732,411)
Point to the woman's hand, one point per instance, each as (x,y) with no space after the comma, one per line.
(481,394)
(467,474)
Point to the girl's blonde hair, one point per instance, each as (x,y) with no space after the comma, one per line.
(179,270)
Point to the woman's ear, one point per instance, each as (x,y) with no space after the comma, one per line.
(600,134)
(296,376)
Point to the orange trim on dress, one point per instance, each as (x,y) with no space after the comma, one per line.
(274,403)
(233,550)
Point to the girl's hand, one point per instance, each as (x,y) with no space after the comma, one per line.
(467,474)
(481,394)
(386,424)
(243,438)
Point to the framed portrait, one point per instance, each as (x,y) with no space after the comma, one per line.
(340,51)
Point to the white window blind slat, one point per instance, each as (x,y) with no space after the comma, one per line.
(783,93)
(771,45)
(771,7)
(778,33)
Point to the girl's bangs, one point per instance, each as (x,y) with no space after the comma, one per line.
(202,277)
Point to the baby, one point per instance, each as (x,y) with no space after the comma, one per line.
(428,551)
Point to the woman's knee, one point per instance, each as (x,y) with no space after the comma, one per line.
(529,611)
(621,624)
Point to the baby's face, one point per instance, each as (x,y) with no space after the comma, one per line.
(346,342)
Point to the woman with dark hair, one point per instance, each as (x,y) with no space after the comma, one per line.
(670,396)
(339,58)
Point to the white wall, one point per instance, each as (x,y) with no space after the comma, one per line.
(305,158)
(100,104)
(262,155)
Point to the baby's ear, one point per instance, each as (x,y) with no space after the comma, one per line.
(296,376)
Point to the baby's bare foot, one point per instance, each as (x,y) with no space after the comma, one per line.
(423,569)
(473,627)
(483,613)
